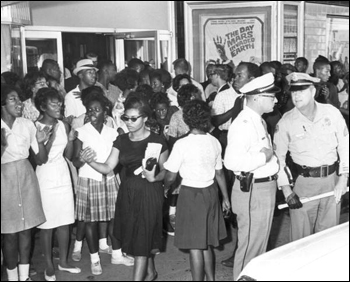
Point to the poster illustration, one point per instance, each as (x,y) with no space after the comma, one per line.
(338,40)
(232,40)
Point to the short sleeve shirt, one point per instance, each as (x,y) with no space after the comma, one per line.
(196,157)
(131,153)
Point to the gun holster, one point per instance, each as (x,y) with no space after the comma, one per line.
(246,181)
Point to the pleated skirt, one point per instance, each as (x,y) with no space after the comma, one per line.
(95,200)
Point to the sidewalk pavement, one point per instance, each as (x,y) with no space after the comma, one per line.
(172,264)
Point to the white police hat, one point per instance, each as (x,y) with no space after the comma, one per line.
(261,84)
(300,81)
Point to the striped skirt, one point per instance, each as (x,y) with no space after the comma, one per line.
(95,200)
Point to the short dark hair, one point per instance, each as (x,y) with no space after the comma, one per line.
(46,64)
(29,82)
(182,64)
(185,94)
(139,104)
(45,94)
(7,89)
(126,79)
(134,62)
(104,64)
(95,93)
(276,64)
(11,78)
(303,60)
(159,98)
(253,69)
(178,78)
(163,76)
(224,71)
(145,91)
(320,64)
(196,115)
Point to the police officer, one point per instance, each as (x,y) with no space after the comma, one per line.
(249,155)
(315,135)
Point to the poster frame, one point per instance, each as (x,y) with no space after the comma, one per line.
(193,29)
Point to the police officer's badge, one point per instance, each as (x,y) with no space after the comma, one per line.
(327,121)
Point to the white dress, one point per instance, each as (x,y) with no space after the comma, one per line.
(56,185)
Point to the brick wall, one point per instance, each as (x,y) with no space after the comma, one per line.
(315,29)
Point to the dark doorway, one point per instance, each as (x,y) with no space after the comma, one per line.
(77,45)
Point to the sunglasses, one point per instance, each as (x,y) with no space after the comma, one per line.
(133,119)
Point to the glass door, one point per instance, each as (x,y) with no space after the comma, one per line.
(153,47)
(39,46)
(291,23)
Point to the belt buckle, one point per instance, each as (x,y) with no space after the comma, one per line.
(326,167)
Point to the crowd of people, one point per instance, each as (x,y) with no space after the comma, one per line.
(128,155)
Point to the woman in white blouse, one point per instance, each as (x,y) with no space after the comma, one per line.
(21,207)
(199,220)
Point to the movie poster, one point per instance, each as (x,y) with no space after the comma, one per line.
(234,39)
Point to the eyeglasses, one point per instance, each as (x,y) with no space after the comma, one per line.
(41,83)
(56,104)
(212,73)
(133,119)
(268,96)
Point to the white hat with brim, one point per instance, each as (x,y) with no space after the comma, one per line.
(84,64)
(259,85)
(300,81)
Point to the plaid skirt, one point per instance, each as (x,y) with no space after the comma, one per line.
(95,200)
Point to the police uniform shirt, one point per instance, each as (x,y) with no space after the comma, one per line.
(224,101)
(246,137)
(312,143)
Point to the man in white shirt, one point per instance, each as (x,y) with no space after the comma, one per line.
(182,66)
(86,72)
(244,73)
(316,136)
(249,155)
(223,102)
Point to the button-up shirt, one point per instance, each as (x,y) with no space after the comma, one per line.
(224,101)
(20,137)
(312,143)
(73,104)
(246,137)
(112,93)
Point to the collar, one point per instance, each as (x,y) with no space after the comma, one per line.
(252,113)
(318,116)
(224,87)
(4,124)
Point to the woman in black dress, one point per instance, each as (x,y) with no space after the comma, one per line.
(138,214)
